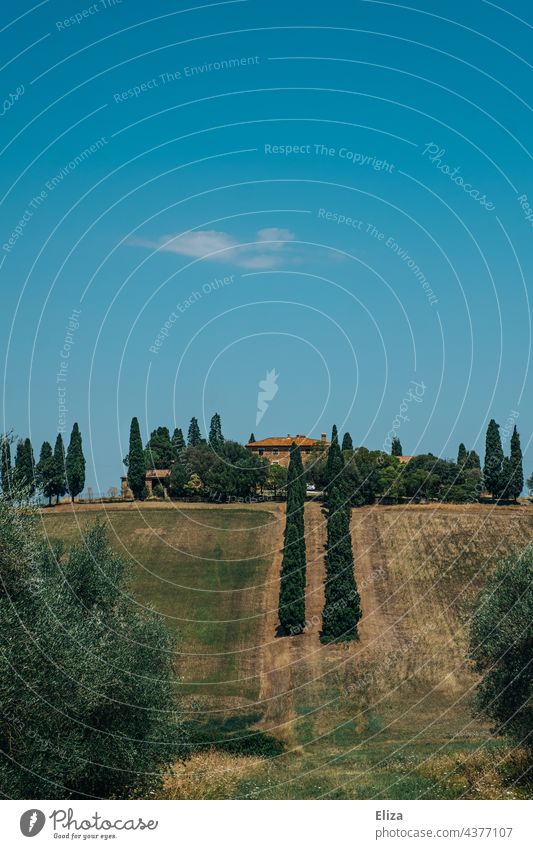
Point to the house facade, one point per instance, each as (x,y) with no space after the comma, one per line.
(277,449)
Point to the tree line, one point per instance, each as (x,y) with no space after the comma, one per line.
(370,475)
(216,468)
(55,474)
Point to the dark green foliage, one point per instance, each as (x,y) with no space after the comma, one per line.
(198,459)
(25,468)
(236,734)
(158,491)
(515,481)
(501,645)
(352,481)
(529,484)
(342,608)
(178,479)
(296,486)
(86,680)
(60,481)
(159,451)
(334,463)
(360,482)
(233,472)
(461,454)
(136,462)
(194,437)
(5,466)
(292,587)
(347,444)
(473,461)
(252,437)
(396,447)
(216,440)
(389,478)
(429,477)
(46,472)
(178,443)
(492,470)
(75,463)
(277,477)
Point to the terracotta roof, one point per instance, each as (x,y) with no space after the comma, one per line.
(284,442)
(404,458)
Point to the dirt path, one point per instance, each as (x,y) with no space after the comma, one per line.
(381,627)
(274,661)
(292,662)
(297,669)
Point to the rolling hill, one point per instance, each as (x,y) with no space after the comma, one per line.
(387,717)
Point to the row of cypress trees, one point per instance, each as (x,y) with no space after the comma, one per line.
(293,566)
(164,451)
(342,608)
(503,476)
(55,473)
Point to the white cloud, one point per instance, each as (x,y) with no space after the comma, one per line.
(273,233)
(217,246)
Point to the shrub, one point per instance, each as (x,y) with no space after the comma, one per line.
(501,645)
(86,680)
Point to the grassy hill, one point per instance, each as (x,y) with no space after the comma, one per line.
(387,717)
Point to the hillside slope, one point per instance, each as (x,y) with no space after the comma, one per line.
(359,720)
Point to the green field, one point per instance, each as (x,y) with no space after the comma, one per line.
(389,717)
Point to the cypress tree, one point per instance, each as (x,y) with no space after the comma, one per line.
(46,471)
(178,442)
(194,437)
(292,585)
(136,462)
(24,467)
(516,481)
(159,450)
(334,462)
(60,481)
(492,470)
(347,443)
(396,447)
(216,440)
(5,467)
(75,463)
(461,454)
(178,479)
(472,461)
(342,608)
(252,437)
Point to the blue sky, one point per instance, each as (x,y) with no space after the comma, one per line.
(335,191)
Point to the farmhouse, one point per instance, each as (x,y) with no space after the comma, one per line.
(277,449)
(153,477)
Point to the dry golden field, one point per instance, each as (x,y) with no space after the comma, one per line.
(280,717)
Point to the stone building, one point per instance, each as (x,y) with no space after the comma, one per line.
(277,449)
